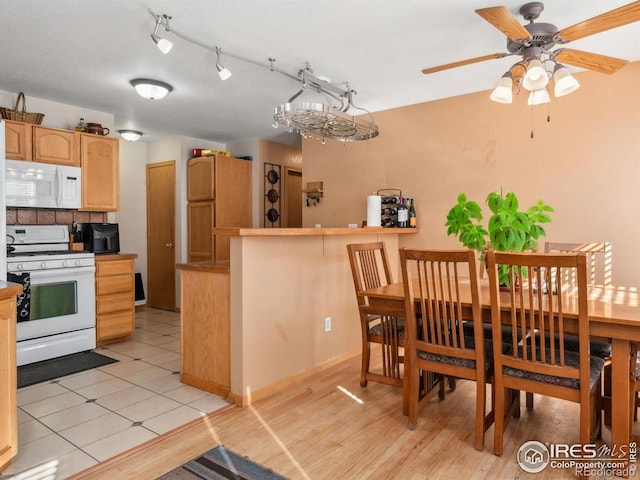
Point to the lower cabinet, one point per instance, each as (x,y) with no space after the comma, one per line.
(8,384)
(205,357)
(115,298)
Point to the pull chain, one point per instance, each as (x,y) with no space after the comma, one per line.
(532,135)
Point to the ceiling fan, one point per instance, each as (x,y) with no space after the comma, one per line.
(534,41)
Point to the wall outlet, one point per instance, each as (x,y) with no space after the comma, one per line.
(327,324)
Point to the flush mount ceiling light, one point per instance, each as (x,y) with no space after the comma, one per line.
(324,120)
(151,89)
(130,135)
(223,72)
(163,44)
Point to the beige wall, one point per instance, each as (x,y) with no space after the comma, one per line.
(585,163)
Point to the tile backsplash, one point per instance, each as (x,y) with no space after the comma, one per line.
(48,216)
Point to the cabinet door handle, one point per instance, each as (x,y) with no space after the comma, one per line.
(169,245)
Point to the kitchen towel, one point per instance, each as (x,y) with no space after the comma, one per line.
(374,214)
(24,299)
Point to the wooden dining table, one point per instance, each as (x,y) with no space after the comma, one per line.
(614,316)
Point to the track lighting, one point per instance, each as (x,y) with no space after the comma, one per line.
(503,92)
(130,135)
(163,44)
(151,89)
(223,72)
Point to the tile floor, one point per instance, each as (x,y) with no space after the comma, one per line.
(73,422)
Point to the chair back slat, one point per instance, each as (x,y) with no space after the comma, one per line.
(369,267)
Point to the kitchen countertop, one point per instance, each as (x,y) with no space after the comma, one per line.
(209,267)
(9,289)
(284,232)
(115,256)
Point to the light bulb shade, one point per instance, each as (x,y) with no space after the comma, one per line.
(163,44)
(223,72)
(503,93)
(538,97)
(536,77)
(130,135)
(565,83)
(151,89)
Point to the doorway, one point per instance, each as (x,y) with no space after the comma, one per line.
(161,234)
(292,197)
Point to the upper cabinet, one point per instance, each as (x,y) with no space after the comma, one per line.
(97,155)
(17,140)
(53,145)
(100,173)
(200,178)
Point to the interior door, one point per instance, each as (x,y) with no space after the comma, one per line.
(293,198)
(161,267)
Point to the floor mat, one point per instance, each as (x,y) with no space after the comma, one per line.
(60,367)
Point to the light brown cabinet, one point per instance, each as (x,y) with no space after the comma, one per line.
(53,145)
(18,140)
(8,385)
(115,298)
(97,155)
(205,335)
(219,195)
(100,173)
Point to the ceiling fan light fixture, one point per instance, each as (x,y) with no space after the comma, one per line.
(130,135)
(503,93)
(223,72)
(564,82)
(538,97)
(536,77)
(151,89)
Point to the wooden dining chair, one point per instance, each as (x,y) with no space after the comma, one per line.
(599,268)
(435,337)
(539,365)
(370,269)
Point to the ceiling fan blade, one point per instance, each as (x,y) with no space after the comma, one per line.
(615,18)
(591,61)
(502,19)
(469,61)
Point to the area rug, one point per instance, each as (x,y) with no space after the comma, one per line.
(60,367)
(220,463)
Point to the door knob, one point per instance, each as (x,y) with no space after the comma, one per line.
(169,245)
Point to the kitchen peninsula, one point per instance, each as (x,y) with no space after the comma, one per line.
(282,307)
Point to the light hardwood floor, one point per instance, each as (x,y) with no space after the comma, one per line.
(328,427)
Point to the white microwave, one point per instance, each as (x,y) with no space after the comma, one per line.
(42,185)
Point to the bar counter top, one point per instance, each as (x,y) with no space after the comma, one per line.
(292,232)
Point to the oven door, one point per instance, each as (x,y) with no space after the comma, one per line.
(62,300)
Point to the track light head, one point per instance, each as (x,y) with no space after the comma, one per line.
(223,72)
(163,44)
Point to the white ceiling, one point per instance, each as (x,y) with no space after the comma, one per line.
(84,52)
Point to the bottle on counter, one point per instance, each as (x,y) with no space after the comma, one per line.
(403,214)
(413,220)
(81,126)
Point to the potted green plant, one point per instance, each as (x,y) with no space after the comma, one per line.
(508,229)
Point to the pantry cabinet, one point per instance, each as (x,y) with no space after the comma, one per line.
(17,139)
(8,385)
(53,145)
(115,298)
(219,195)
(100,173)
